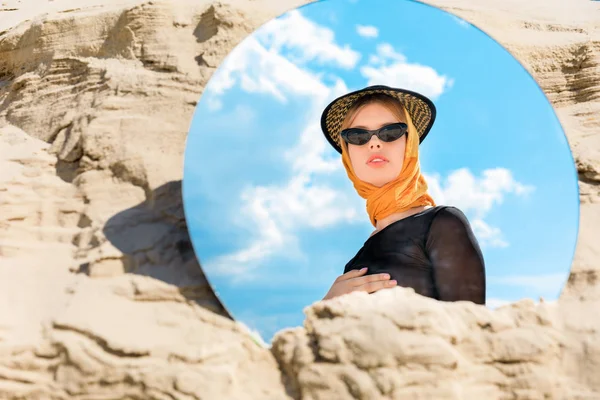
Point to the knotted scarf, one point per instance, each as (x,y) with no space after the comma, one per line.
(408,190)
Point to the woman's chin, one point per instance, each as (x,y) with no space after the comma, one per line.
(377,178)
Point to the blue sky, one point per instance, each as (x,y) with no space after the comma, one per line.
(271,212)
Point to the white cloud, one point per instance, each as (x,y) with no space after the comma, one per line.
(254,334)
(214,104)
(487,236)
(385,52)
(549,284)
(388,67)
(476,196)
(495,303)
(310,41)
(308,156)
(258,66)
(367,31)
(415,77)
(275,213)
(461,21)
(258,70)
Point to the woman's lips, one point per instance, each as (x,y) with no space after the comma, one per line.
(377,161)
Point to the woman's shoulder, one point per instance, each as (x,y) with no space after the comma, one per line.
(441,212)
(450,216)
(451,231)
(424,219)
(448,212)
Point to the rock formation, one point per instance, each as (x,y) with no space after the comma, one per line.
(101,295)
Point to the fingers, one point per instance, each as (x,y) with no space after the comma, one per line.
(361,280)
(351,274)
(371,287)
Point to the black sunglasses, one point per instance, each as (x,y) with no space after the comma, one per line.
(387,133)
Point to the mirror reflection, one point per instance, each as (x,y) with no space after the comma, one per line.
(354,145)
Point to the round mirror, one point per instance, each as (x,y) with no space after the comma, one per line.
(273,216)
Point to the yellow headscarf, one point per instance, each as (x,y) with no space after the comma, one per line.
(408,190)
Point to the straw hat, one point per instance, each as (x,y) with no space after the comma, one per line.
(421,110)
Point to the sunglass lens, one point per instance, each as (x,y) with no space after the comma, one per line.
(357,137)
(391,134)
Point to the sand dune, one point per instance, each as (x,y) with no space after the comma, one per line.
(100,293)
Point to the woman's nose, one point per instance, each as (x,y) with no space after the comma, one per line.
(374,143)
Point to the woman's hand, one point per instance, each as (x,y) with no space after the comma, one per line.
(353,281)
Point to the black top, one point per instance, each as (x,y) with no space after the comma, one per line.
(434,252)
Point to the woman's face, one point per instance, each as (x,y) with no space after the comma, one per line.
(376,162)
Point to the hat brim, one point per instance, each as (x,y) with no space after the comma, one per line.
(422,111)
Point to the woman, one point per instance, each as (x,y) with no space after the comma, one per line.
(415,243)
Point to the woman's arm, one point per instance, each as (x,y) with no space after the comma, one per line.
(458,266)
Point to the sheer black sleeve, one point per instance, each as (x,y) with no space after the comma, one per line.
(457,261)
